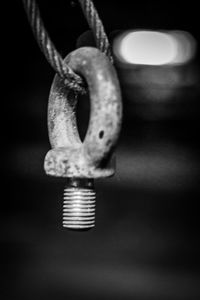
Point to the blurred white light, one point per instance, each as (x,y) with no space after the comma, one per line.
(154,47)
(185,44)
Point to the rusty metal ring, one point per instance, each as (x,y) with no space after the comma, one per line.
(69,156)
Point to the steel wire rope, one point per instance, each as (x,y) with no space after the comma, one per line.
(72,80)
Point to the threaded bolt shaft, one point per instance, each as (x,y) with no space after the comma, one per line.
(79,204)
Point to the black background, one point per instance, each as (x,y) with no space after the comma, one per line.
(146,241)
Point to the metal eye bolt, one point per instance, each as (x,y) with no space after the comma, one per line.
(82,162)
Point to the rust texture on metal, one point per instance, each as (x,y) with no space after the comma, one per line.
(92,158)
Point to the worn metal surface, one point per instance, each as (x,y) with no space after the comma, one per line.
(81,162)
(91,158)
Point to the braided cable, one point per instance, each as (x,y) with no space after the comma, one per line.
(97,27)
(72,80)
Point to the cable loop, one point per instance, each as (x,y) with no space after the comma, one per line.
(71,79)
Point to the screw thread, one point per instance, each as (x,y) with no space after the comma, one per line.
(79,207)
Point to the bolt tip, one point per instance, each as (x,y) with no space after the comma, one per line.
(78,228)
(79,208)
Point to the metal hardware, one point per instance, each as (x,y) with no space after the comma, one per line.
(81,162)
